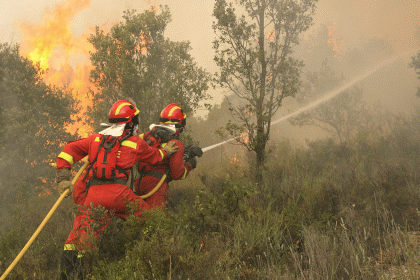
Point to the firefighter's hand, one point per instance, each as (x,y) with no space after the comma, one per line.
(63,180)
(196,151)
(170,148)
(162,134)
(192,161)
(64,185)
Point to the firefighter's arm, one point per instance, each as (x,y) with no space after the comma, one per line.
(190,154)
(179,168)
(153,156)
(73,152)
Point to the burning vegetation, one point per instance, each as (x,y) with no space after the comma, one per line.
(63,58)
(343,205)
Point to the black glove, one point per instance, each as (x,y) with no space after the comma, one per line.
(162,134)
(187,153)
(192,161)
(195,151)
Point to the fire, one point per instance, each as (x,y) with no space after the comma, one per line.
(234,159)
(245,138)
(271,34)
(63,57)
(43,191)
(333,41)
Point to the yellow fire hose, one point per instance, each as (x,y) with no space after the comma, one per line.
(60,199)
(154,189)
(41,226)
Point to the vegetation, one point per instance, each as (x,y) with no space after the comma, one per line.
(135,60)
(415,64)
(33,117)
(327,211)
(254,54)
(343,115)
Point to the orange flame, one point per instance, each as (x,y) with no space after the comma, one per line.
(333,41)
(153,4)
(245,138)
(271,34)
(43,191)
(234,159)
(63,57)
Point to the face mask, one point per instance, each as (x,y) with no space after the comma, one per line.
(136,130)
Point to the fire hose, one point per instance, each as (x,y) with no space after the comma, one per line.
(41,226)
(57,203)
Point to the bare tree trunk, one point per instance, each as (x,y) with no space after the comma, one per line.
(260,141)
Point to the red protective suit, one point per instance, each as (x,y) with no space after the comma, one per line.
(114,197)
(174,166)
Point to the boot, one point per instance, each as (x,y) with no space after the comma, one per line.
(71,266)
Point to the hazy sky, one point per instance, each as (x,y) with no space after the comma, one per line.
(353,22)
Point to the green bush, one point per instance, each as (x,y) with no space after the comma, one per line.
(325,211)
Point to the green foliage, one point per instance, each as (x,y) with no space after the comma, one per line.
(253,51)
(33,117)
(326,211)
(42,259)
(134,60)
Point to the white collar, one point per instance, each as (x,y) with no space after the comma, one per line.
(114,130)
(171,127)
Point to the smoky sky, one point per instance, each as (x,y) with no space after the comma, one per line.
(351,23)
(358,20)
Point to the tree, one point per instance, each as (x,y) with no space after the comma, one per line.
(343,115)
(134,60)
(33,117)
(253,52)
(415,63)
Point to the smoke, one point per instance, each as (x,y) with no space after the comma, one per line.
(353,35)
(358,21)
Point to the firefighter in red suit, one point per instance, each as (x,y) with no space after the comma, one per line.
(112,154)
(172,123)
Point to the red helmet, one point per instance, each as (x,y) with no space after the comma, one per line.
(173,114)
(122,111)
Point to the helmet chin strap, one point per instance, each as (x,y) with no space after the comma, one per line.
(179,130)
(132,128)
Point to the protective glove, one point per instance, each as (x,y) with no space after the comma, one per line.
(196,151)
(170,148)
(63,181)
(192,161)
(162,134)
(63,186)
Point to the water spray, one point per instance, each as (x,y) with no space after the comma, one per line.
(325,98)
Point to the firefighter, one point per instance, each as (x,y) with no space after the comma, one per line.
(112,153)
(172,123)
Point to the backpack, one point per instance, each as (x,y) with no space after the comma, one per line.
(104,165)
